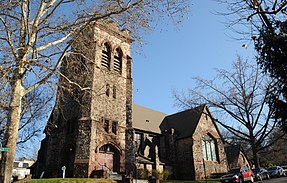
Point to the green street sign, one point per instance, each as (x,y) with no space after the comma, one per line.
(3,149)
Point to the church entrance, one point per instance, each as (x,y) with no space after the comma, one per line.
(108,159)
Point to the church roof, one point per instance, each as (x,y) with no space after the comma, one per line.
(184,123)
(147,119)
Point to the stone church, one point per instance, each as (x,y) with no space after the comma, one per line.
(95,128)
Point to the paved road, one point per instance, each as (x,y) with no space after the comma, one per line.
(275,180)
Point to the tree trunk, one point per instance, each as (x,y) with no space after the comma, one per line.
(11,133)
(255,159)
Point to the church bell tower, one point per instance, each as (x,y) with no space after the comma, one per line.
(90,129)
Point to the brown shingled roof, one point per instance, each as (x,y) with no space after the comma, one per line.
(147,119)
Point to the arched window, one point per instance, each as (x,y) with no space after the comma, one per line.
(118,60)
(106,56)
(209,148)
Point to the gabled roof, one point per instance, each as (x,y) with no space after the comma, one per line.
(147,119)
(184,123)
(232,154)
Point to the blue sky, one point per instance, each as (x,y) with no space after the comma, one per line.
(171,58)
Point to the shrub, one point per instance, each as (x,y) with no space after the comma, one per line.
(143,173)
(161,175)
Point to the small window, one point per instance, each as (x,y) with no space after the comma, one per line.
(118,60)
(114,127)
(114,92)
(108,90)
(106,125)
(106,58)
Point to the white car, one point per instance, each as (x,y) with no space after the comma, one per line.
(276,171)
(285,169)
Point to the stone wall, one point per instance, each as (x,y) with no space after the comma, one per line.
(207,127)
(184,167)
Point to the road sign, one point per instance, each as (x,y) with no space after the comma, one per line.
(3,149)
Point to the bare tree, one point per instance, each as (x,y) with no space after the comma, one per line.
(264,24)
(35,36)
(239,99)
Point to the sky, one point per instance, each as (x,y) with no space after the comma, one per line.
(170,59)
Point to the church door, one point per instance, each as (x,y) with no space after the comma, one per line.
(108,159)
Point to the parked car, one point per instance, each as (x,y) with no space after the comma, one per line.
(260,174)
(276,171)
(285,169)
(243,174)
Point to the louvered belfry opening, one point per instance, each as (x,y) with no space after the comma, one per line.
(106,59)
(118,60)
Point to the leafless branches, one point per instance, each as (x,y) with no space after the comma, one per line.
(247,17)
(240,101)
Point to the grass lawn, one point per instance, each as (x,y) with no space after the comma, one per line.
(189,181)
(71,180)
(83,180)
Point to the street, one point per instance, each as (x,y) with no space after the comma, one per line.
(275,180)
